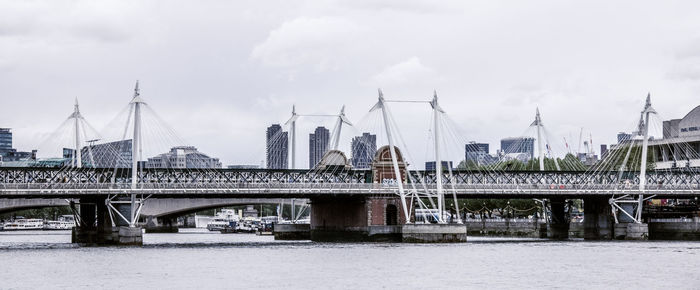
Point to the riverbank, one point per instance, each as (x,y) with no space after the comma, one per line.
(659,229)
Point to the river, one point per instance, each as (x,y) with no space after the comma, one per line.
(196,259)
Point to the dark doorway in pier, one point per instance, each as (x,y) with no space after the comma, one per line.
(392,213)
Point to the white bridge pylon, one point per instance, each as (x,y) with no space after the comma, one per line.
(135,202)
(335,137)
(617,203)
(438,113)
(78,137)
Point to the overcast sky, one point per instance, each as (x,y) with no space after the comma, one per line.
(220,72)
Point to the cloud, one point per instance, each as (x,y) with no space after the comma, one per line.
(59,22)
(406,72)
(415,7)
(320,42)
(690,50)
(686,66)
(247,63)
(686,71)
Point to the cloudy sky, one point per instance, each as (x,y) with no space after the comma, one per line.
(219,72)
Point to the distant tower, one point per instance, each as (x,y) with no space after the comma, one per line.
(363,149)
(5,142)
(318,145)
(277,149)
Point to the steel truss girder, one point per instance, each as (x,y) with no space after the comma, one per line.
(84,177)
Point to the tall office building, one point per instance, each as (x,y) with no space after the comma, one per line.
(516,145)
(318,145)
(277,149)
(7,153)
(5,140)
(363,149)
(477,153)
(603,150)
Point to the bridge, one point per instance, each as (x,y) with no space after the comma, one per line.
(378,203)
(27,182)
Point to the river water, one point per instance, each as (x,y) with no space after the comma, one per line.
(196,259)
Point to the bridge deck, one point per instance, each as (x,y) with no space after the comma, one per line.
(306,191)
(61,183)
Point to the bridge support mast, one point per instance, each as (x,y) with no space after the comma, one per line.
(381,104)
(540,145)
(643,168)
(135,152)
(293,138)
(77,156)
(438,161)
(338,128)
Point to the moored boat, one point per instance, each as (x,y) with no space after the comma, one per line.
(24,225)
(222,219)
(64,222)
(229,229)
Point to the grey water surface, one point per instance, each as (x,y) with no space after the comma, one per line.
(196,259)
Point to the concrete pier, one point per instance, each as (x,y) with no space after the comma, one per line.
(434,233)
(597,219)
(96,229)
(292,231)
(130,236)
(373,219)
(631,231)
(558,227)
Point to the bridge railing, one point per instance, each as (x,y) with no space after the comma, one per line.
(485,187)
(231,176)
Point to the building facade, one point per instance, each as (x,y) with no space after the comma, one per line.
(516,145)
(183,157)
(622,137)
(318,145)
(680,146)
(5,140)
(9,154)
(277,147)
(477,153)
(363,149)
(603,150)
(430,165)
(115,154)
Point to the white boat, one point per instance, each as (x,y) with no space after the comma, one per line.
(64,222)
(24,224)
(223,219)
